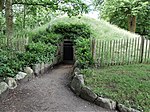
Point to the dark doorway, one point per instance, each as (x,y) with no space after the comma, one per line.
(68,51)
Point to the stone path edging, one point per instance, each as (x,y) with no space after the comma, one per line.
(24,77)
(3,90)
(49,93)
(84,92)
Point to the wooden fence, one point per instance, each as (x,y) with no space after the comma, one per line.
(120,52)
(17,43)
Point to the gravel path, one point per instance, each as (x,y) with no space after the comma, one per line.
(47,93)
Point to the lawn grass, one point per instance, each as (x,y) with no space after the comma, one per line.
(100,29)
(129,84)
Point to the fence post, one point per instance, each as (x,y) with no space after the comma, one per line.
(93,47)
(141,49)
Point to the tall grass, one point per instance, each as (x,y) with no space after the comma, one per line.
(100,28)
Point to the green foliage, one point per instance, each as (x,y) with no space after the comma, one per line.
(129,84)
(40,48)
(12,61)
(37,53)
(47,38)
(54,33)
(3,63)
(9,65)
(143,24)
(117,12)
(29,16)
(71,7)
(83,52)
(72,31)
(33,13)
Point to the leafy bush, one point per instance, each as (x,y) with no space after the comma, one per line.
(47,38)
(9,65)
(83,52)
(37,53)
(3,64)
(72,31)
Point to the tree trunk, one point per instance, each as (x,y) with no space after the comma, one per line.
(132,23)
(24,17)
(9,22)
(1,5)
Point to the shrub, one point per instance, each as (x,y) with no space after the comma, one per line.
(37,53)
(72,31)
(4,69)
(48,38)
(9,65)
(83,52)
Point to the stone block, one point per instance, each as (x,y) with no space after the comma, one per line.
(75,71)
(12,84)
(30,73)
(77,84)
(28,70)
(36,69)
(106,103)
(123,108)
(87,94)
(22,77)
(4,91)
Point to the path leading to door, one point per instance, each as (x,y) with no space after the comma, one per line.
(47,93)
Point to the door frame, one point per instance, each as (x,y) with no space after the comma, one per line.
(72,50)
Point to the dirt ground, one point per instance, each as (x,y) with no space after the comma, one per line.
(48,93)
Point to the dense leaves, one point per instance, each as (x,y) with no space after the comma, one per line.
(83,52)
(37,53)
(9,64)
(32,13)
(47,38)
(71,7)
(120,12)
(12,61)
(72,31)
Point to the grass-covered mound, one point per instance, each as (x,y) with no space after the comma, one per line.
(100,29)
(78,29)
(129,84)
